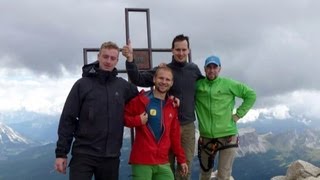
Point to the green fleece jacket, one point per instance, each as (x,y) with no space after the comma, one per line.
(215,101)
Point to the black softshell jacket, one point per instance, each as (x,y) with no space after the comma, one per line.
(93,114)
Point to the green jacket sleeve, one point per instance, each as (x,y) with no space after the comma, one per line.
(247,94)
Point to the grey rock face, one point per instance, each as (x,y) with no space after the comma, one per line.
(300,170)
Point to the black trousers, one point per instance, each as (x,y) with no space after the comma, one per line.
(83,167)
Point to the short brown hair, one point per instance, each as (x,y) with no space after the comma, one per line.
(109,45)
(165,68)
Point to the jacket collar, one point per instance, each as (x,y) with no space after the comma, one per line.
(145,97)
(178,64)
(212,81)
(93,70)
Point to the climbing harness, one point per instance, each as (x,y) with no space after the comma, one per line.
(211,148)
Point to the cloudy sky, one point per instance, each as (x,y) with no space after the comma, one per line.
(271,45)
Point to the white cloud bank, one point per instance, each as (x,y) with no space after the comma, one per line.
(298,104)
(21,89)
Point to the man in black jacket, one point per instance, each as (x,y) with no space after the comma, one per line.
(93,116)
(185,76)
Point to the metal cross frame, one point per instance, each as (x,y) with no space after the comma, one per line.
(142,56)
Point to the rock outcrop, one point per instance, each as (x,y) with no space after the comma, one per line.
(300,170)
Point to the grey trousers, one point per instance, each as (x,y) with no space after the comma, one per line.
(188,145)
(225,161)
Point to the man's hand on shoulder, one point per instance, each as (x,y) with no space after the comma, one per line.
(176,101)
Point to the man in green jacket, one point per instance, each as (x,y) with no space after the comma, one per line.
(215,101)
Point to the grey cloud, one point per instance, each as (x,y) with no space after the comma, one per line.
(271,45)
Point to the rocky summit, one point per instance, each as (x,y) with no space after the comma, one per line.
(300,170)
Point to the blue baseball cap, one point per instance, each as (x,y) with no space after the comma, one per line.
(212,60)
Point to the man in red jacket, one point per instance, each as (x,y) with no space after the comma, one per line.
(155,119)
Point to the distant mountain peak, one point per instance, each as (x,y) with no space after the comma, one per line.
(251,142)
(246,130)
(9,136)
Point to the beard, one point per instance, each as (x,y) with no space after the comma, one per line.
(162,90)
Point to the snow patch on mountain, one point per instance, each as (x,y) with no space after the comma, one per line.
(8,135)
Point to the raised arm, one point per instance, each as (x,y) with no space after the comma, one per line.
(139,78)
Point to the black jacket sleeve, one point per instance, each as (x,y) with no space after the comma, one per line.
(132,92)
(142,78)
(68,121)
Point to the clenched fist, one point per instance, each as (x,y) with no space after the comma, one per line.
(127,51)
